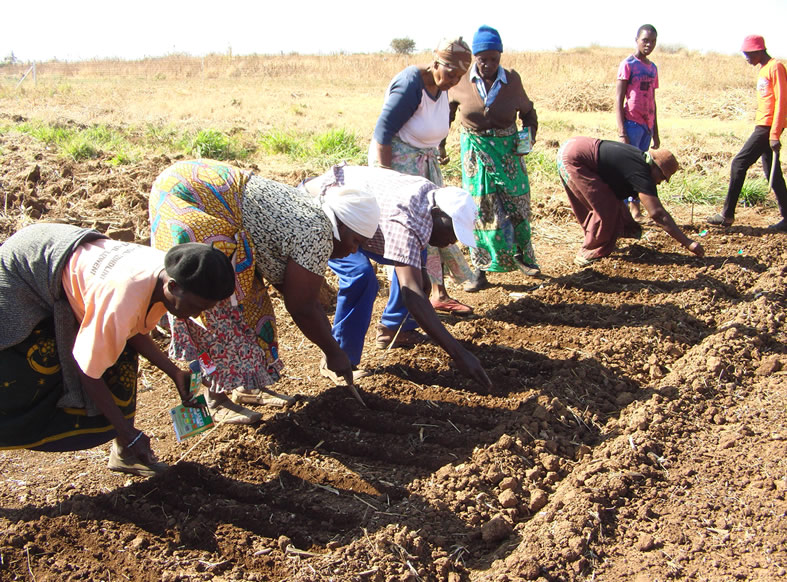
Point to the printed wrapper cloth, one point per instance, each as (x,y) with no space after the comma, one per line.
(201,201)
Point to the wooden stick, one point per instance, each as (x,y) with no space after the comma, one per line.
(208,432)
(354,391)
(29,569)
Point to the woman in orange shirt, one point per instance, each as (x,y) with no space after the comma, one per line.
(77,308)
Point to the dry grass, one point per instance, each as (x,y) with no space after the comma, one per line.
(705,102)
(243,89)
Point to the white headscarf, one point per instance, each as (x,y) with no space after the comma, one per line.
(459,205)
(357,210)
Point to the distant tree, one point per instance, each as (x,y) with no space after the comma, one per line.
(10,59)
(403,46)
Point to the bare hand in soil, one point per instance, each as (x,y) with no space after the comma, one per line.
(471,367)
(697,249)
(340,365)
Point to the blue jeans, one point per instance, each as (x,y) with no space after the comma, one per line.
(639,136)
(354,302)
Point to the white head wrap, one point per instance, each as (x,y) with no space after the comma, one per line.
(357,210)
(459,205)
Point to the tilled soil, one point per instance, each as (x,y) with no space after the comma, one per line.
(635,430)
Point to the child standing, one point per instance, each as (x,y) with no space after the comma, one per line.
(635,103)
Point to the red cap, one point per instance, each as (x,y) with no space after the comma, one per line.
(752,43)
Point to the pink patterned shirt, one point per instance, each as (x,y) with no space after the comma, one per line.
(639,105)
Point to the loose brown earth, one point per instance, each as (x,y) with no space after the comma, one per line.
(635,431)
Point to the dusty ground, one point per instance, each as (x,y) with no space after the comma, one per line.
(635,432)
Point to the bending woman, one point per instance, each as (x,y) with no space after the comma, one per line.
(598,175)
(409,131)
(76,310)
(275,234)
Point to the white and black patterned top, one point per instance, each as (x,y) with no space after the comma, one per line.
(285,223)
(405,209)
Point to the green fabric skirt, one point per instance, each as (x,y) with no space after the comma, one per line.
(31,385)
(497,179)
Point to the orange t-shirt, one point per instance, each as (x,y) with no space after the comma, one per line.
(109,285)
(772,98)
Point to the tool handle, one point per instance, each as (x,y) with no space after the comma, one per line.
(774,159)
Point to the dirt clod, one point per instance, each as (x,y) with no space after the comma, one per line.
(636,431)
(496,529)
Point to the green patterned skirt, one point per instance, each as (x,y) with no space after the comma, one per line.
(497,179)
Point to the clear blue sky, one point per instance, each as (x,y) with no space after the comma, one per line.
(40,30)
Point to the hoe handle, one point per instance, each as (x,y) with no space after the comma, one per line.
(774,159)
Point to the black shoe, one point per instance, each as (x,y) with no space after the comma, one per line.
(780,226)
(479,282)
(529,269)
(719,220)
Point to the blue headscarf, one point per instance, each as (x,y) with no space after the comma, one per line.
(487,38)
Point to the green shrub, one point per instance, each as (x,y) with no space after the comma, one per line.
(162,136)
(403,46)
(452,171)
(542,169)
(81,149)
(279,142)
(754,192)
(337,145)
(209,143)
(49,134)
(121,159)
(694,188)
(213,144)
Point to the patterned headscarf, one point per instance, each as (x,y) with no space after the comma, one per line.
(454,53)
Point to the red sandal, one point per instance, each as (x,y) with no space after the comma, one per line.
(451,306)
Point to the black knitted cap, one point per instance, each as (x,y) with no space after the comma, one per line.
(201,269)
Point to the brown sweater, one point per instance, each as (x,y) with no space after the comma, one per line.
(466,103)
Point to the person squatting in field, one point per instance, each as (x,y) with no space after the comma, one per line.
(764,143)
(275,234)
(635,100)
(598,175)
(76,310)
(414,212)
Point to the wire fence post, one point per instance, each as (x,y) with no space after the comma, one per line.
(32,69)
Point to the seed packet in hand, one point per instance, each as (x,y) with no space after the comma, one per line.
(195,383)
(189,421)
(524,143)
(206,364)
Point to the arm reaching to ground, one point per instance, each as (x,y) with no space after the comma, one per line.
(301,291)
(663,218)
(417,303)
(98,392)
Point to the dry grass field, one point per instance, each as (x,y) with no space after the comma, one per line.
(635,429)
(705,101)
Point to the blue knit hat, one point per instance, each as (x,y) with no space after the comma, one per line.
(487,38)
